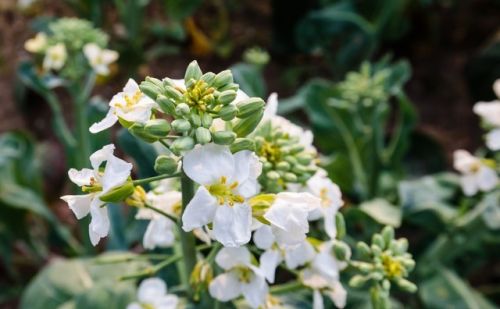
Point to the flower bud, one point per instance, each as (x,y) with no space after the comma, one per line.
(406,285)
(228,112)
(138,130)
(378,241)
(193,71)
(173,93)
(166,104)
(388,234)
(223,78)
(386,285)
(342,251)
(283,166)
(149,89)
(358,281)
(206,120)
(165,164)
(184,143)
(340,225)
(402,246)
(304,159)
(273,175)
(249,107)
(245,126)
(224,137)
(157,127)
(195,119)
(137,198)
(363,249)
(181,125)
(242,144)
(231,86)
(118,194)
(182,109)
(226,97)
(203,135)
(155,81)
(208,78)
(290,177)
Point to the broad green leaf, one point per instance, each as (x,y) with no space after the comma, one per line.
(143,153)
(383,212)
(82,283)
(250,79)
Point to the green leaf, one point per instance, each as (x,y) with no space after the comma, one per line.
(81,284)
(447,290)
(383,212)
(181,9)
(16,196)
(250,79)
(143,153)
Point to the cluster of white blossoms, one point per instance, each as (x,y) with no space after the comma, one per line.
(229,204)
(479,174)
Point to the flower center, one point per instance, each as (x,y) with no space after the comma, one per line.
(130,101)
(475,167)
(325,198)
(224,192)
(93,187)
(270,151)
(244,274)
(199,95)
(392,267)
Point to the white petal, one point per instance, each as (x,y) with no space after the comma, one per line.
(228,258)
(469,185)
(463,160)
(166,302)
(496,88)
(249,188)
(99,224)
(263,237)
(109,56)
(131,86)
(271,109)
(299,255)
(203,235)
(489,112)
(116,173)
(493,139)
(232,225)
(318,300)
(255,291)
(225,287)
(101,155)
(82,177)
(91,51)
(141,112)
(325,263)
(329,221)
(487,179)
(134,306)
(200,210)
(79,204)
(159,233)
(151,289)
(107,122)
(207,164)
(337,294)
(246,165)
(269,260)
(313,279)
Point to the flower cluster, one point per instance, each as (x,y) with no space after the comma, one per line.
(70,46)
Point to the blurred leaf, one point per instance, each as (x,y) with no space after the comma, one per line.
(491,214)
(28,75)
(250,79)
(143,153)
(180,9)
(447,290)
(82,284)
(383,212)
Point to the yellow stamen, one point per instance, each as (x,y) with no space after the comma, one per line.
(223,192)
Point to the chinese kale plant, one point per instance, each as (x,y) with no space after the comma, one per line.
(239,201)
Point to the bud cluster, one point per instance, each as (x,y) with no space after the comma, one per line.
(205,108)
(387,261)
(285,160)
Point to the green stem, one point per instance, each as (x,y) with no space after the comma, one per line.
(155,178)
(81,97)
(286,287)
(161,212)
(150,271)
(188,242)
(61,129)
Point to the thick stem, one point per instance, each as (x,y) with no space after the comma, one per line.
(188,242)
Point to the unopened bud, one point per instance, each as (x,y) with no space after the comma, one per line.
(249,107)
(165,164)
(228,112)
(166,104)
(406,285)
(224,137)
(193,71)
(182,109)
(181,125)
(226,97)
(388,234)
(378,241)
(273,175)
(150,89)
(118,194)
(203,135)
(402,246)
(342,251)
(138,130)
(363,249)
(137,198)
(290,177)
(340,225)
(240,144)
(223,78)
(195,119)
(206,120)
(157,127)
(245,126)
(208,78)
(184,143)
(358,281)
(283,166)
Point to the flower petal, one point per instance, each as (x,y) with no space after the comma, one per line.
(318,300)
(116,173)
(493,139)
(269,260)
(107,122)
(101,155)
(79,204)
(131,86)
(166,302)
(99,224)
(255,291)
(271,109)
(225,287)
(487,178)
(299,255)
(337,294)
(159,233)
(82,177)
(200,210)
(232,225)
(263,237)
(151,289)
(207,164)
(228,258)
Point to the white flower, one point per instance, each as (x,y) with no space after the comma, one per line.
(490,113)
(270,114)
(152,294)
(294,256)
(115,174)
(288,216)
(240,278)
(160,230)
(331,200)
(36,44)
(323,275)
(226,182)
(55,57)
(476,175)
(130,105)
(99,58)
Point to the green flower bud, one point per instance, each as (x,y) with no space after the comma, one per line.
(388,234)
(245,126)
(223,78)
(340,225)
(203,135)
(242,144)
(195,120)
(283,166)
(118,194)
(304,159)
(249,107)
(290,177)
(296,149)
(376,250)
(206,120)
(227,97)
(138,130)
(402,246)
(267,166)
(378,241)
(358,281)
(208,78)
(193,71)
(342,251)
(228,112)
(224,137)
(165,164)
(173,93)
(406,285)
(386,285)
(149,89)
(158,83)
(273,175)
(363,249)
(166,104)
(183,109)
(181,125)
(409,264)
(157,127)
(184,143)
(232,86)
